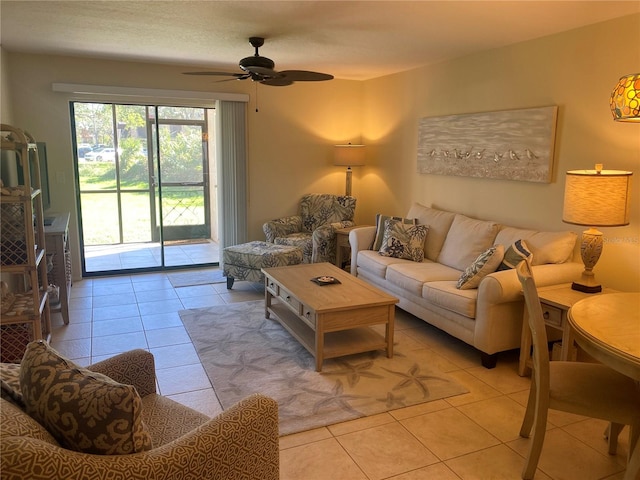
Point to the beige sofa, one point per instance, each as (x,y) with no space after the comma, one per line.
(488,317)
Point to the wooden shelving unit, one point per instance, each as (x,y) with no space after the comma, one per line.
(24,316)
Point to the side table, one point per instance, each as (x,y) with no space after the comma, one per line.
(56,235)
(343,249)
(556,300)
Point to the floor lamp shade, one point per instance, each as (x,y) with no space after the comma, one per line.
(348,156)
(625,99)
(595,198)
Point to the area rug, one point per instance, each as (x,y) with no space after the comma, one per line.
(243,353)
(201,277)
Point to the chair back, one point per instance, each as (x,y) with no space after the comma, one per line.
(536,325)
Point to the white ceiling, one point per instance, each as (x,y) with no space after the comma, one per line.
(350,39)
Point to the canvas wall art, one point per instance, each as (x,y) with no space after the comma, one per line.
(508,144)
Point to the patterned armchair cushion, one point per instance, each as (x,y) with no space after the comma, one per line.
(282,227)
(83,410)
(317,209)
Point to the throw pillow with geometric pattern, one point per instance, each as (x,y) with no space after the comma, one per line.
(84,411)
(486,263)
(516,252)
(403,241)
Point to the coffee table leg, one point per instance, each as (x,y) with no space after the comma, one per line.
(319,345)
(267,299)
(389,331)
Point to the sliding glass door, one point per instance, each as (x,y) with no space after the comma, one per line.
(145,197)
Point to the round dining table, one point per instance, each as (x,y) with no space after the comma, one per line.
(607,327)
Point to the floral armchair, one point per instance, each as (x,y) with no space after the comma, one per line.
(314,229)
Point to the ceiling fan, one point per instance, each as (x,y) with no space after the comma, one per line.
(260,69)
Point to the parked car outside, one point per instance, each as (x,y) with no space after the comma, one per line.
(102,155)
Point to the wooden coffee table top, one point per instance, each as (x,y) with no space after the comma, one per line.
(351,292)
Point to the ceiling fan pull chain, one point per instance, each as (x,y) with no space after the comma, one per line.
(256,84)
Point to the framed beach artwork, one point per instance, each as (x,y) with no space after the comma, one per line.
(508,144)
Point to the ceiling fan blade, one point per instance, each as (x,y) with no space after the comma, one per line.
(277,81)
(305,76)
(261,71)
(222,74)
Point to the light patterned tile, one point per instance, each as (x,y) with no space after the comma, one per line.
(162,337)
(203,401)
(386,450)
(321,460)
(448,433)
(500,416)
(496,463)
(564,457)
(182,379)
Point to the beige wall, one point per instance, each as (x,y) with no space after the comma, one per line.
(576,70)
(291,138)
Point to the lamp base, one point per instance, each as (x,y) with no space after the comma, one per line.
(586,288)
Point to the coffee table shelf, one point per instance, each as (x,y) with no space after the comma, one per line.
(332,320)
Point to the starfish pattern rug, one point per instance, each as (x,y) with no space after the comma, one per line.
(244,353)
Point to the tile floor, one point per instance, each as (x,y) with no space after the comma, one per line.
(471,436)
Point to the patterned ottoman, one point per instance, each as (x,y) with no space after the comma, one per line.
(245,261)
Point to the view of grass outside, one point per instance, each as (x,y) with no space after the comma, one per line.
(181,154)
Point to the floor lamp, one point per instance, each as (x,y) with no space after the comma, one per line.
(348,156)
(595,198)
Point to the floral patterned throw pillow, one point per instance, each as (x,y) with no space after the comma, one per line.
(403,241)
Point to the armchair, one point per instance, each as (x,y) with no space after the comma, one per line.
(239,444)
(313,229)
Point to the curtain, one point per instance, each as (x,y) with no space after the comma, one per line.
(231,152)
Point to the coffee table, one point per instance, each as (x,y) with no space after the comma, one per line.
(331,320)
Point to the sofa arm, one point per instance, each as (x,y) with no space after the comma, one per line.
(281,227)
(135,367)
(360,238)
(504,286)
(239,444)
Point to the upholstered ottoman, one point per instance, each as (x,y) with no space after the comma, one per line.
(246,260)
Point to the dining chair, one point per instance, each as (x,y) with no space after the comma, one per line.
(590,389)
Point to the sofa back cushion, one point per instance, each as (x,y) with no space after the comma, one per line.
(438,221)
(84,411)
(466,240)
(546,247)
(14,422)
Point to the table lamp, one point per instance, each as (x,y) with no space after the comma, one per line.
(595,198)
(348,156)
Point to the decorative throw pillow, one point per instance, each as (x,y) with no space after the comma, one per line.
(486,263)
(380,220)
(403,241)
(83,410)
(517,252)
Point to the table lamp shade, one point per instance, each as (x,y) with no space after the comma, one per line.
(625,99)
(597,199)
(348,155)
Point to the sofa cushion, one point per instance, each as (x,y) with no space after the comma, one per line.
(547,247)
(467,238)
(439,222)
(374,263)
(444,294)
(403,241)
(14,422)
(486,263)
(517,252)
(380,222)
(411,276)
(83,410)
